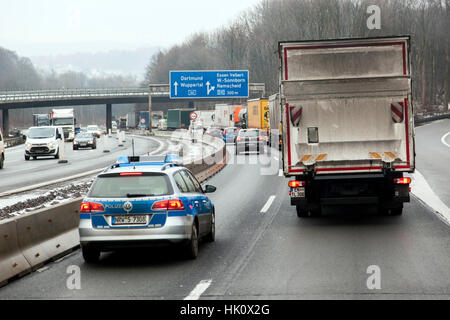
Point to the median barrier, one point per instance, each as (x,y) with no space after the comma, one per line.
(12,261)
(48,233)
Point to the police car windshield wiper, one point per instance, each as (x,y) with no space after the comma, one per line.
(137,195)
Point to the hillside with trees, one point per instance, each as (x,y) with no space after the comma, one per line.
(251,40)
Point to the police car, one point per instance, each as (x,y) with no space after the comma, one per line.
(142,201)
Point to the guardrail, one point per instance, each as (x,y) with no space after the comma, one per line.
(11,142)
(420,120)
(30,240)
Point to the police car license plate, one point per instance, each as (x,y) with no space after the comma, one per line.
(298,193)
(140,219)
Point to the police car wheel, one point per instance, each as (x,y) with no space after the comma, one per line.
(211,236)
(90,254)
(57,155)
(192,246)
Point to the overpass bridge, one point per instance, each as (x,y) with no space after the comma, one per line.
(155,93)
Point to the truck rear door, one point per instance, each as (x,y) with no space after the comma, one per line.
(346,105)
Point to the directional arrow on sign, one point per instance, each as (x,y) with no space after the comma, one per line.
(175,84)
(208,88)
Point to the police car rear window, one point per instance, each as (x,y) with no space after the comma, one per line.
(116,186)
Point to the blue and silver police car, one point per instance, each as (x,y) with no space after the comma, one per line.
(142,201)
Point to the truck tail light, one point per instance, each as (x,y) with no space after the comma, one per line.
(165,205)
(91,207)
(296,184)
(402,180)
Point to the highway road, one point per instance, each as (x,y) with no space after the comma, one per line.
(18,173)
(264,251)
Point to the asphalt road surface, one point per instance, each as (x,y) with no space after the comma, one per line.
(263,251)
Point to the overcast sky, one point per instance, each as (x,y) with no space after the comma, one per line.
(44,27)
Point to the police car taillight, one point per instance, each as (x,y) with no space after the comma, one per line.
(91,207)
(173,204)
(131,173)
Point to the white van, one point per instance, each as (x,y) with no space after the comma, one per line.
(2,151)
(43,141)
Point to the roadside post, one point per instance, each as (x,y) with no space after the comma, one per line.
(106,143)
(62,151)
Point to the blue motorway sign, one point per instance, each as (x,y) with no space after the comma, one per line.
(208,84)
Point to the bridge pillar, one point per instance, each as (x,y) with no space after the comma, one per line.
(5,122)
(108,117)
(150,113)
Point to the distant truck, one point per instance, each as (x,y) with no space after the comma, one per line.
(156,116)
(131,120)
(205,118)
(179,118)
(40,120)
(224,116)
(348,127)
(275,127)
(258,114)
(64,118)
(122,122)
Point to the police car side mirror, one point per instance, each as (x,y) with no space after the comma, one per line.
(210,189)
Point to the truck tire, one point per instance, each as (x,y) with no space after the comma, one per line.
(396,212)
(2,161)
(57,155)
(27,158)
(302,212)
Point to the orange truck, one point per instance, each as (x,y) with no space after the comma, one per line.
(258,113)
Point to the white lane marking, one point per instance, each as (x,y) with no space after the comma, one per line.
(198,290)
(422,190)
(443,139)
(268,204)
(280,173)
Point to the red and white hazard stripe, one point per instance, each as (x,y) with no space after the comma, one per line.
(296,113)
(397,111)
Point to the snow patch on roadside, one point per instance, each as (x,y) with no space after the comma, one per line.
(422,190)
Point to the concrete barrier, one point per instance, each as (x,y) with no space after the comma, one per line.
(48,233)
(12,261)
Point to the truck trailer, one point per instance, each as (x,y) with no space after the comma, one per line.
(348,126)
(64,118)
(258,114)
(179,118)
(40,120)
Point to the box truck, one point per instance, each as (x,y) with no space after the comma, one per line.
(347,118)
(275,128)
(179,118)
(258,114)
(64,118)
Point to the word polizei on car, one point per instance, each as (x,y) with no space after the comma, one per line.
(145,200)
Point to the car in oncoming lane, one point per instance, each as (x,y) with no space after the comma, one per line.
(145,200)
(95,130)
(84,140)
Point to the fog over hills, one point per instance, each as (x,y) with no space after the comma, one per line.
(120,62)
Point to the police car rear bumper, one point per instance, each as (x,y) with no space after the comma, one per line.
(176,229)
